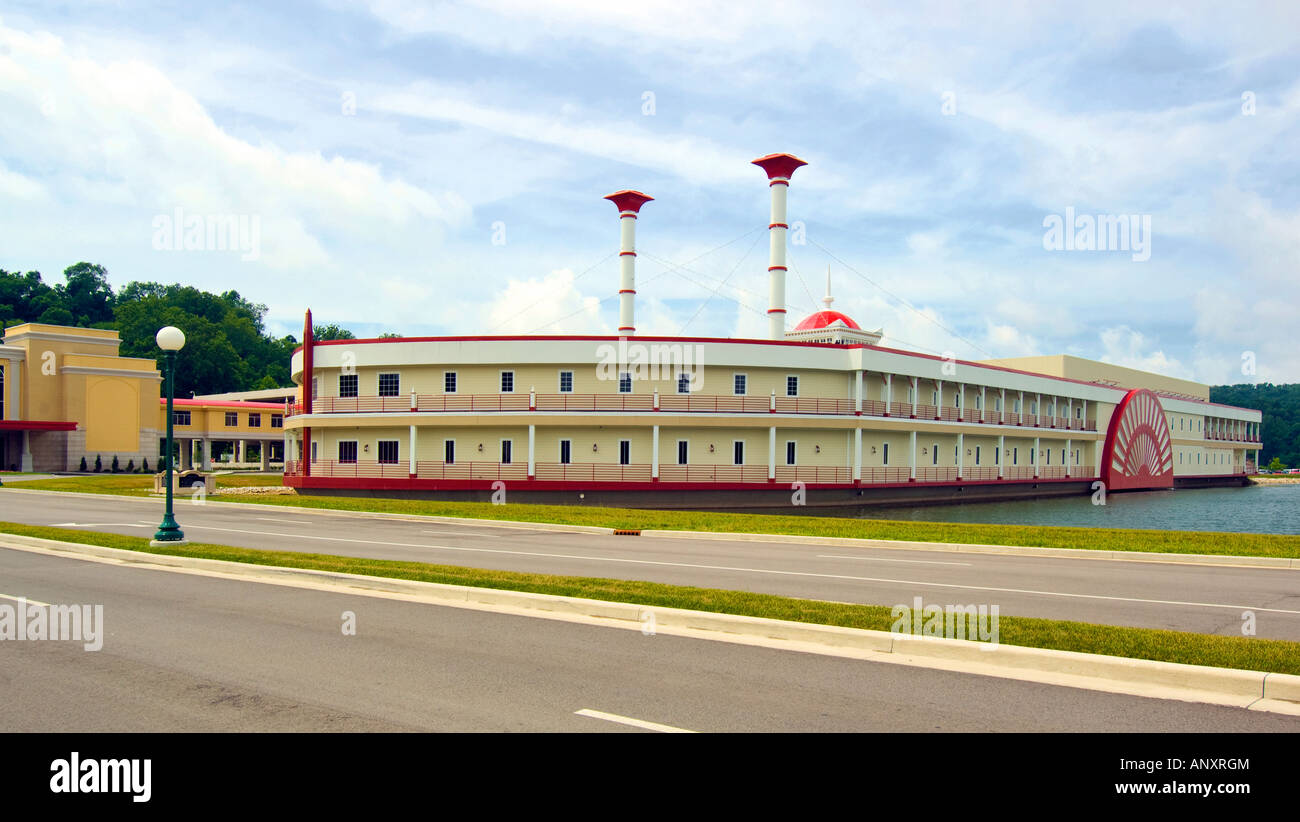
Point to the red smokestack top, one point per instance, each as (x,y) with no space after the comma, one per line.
(628,200)
(779,165)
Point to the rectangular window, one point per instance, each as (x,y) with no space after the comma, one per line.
(566,382)
(997,456)
(180,417)
(566,452)
(683,383)
(254,420)
(347,385)
(449,382)
(683,451)
(507,451)
(347,451)
(314,443)
(789,452)
(1078,412)
(738,385)
(934,397)
(315,387)
(277,420)
(390,385)
(624,452)
(449,452)
(979,403)
(1033,456)
(934,454)
(388,452)
(792,387)
(884,457)
(977,455)
(625,382)
(738,452)
(507,382)
(1048,452)
(1015,456)
(232,419)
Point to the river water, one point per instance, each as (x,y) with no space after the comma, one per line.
(1261,509)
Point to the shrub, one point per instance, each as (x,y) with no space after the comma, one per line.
(144,465)
(116,468)
(130,466)
(99,464)
(83,468)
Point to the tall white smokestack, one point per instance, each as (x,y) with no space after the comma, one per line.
(628,203)
(779,168)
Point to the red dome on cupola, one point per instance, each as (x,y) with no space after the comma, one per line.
(825,319)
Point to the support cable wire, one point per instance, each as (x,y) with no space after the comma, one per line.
(714,292)
(905,303)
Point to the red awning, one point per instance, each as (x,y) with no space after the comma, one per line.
(37,425)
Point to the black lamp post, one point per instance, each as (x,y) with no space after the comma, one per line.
(170,340)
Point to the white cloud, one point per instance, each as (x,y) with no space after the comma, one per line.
(545,305)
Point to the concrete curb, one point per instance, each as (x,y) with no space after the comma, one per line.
(1279,693)
(846,542)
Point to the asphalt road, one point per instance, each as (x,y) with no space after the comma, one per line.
(1204,599)
(195,653)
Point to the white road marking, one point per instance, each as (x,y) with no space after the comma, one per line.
(883,559)
(30,601)
(635,723)
(286,521)
(101,525)
(754,570)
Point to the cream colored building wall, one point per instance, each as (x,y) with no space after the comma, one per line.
(1077,368)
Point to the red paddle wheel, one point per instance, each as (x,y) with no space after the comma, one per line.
(1138,452)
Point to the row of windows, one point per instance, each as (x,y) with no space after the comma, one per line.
(389,453)
(232,419)
(390,384)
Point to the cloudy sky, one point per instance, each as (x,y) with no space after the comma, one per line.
(438,168)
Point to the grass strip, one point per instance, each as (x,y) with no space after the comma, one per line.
(1247,653)
(1042,536)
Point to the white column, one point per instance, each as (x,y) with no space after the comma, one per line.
(961,401)
(1096,458)
(1038,409)
(532,462)
(1021,409)
(857,454)
(654,452)
(1069,411)
(1038,455)
(912,445)
(264,452)
(889,394)
(916,393)
(961,454)
(857,393)
(410,451)
(1085,415)
(1069,455)
(1002,405)
(938,397)
(779,168)
(771,453)
(25,463)
(628,204)
(1001,457)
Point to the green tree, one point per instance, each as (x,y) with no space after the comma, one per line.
(331,332)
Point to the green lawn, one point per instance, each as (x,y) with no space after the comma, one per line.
(1114,539)
(1138,643)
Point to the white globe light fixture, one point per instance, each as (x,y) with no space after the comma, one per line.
(170,338)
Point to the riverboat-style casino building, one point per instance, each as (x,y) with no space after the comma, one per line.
(822,408)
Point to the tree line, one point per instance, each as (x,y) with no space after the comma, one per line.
(227,347)
(1280,427)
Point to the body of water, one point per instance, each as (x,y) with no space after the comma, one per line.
(1261,509)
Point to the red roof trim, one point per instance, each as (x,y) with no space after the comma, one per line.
(226,403)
